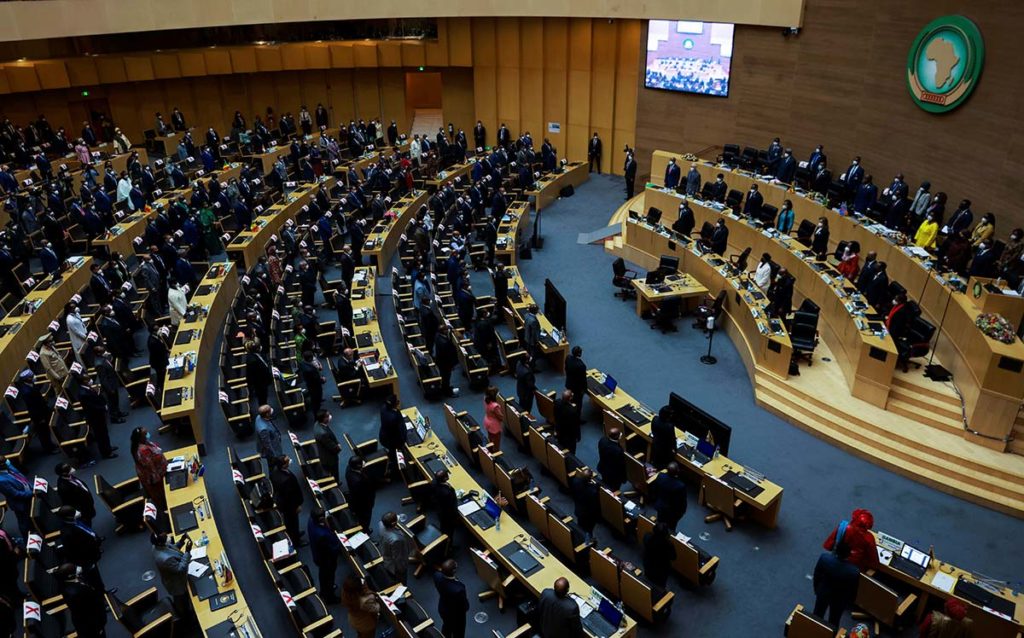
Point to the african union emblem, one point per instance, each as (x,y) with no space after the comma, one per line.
(945,63)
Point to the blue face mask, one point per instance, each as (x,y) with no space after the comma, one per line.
(147,436)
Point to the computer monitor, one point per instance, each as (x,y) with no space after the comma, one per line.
(668,264)
(706,448)
(492,508)
(610,612)
(610,382)
(654,277)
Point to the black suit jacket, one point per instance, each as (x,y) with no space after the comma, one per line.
(718,191)
(630,169)
(585,496)
(287,493)
(576,376)
(77,495)
(78,546)
(669,496)
(664,441)
(752,207)
(451,596)
(87,606)
(392,433)
(567,423)
(611,462)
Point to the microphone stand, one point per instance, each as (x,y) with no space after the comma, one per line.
(936,372)
(707,359)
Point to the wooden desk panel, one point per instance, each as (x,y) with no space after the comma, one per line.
(511,531)
(765,506)
(382,241)
(24,330)
(195,492)
(510,232)
(556,354)
(549,185)
(991,392)
(747,318)
(364,299)
(215,306)
(250,244)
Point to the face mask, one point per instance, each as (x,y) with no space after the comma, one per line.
(148,437)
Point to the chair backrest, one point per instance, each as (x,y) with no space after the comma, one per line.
(537,513)
(636,473)
(719,496)
(731,150)
(921,330)
(805,229)
(637,595)
(880,602)
(619,267)
(719,302)
(706,231)
(804,625)
(809,306)
(605,570)
(742,258)
(804,323)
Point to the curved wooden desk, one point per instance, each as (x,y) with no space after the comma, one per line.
(370,346)
(551,184)
(768,347)
(382,241)
(510,230)
(989,374)
(184,397)
(21,331)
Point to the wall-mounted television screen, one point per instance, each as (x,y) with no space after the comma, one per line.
(691,57)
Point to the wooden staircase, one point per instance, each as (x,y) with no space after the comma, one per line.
(1017,444)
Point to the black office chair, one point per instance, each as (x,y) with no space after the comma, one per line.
(653,216)
(733,199)
(749,158)
(731,154)
(705,232)
(705,191)
(622,278)
(804,232)
(665,315)
(809,306)
(803,334)
(768,214)
(710,308)
(739,262)
(917,343)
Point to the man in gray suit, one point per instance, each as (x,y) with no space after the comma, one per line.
(172,563)
(559,614)
(395,548)
(693,181)
(327,444)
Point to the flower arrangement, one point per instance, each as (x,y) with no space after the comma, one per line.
(996,327)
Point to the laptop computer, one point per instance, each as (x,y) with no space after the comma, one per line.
(610,383)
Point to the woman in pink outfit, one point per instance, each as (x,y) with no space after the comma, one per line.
(494,415)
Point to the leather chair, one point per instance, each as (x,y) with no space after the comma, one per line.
(710,307)
(733,199)
(803,334)
(622,278)
(731,154)
(125,501)
(917,343)
(144,615)
(665,315)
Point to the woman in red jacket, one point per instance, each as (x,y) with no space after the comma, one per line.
(859,538)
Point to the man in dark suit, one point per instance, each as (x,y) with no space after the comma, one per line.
(693,181)
(685,222)
(362,493)
(611,460)
(821,178)
(479,135)
(452,602)
(313,379)
(446,358)
(786,169)
(752,207)
(720,237)
(962,218)
(80,545)
(866,196)
(668,494)
(780,294)
(867,271)
(526,382)
(672,174)
(288,497)
(567,422)
(95,410)
(853,176)
(594,153)
(109,382)
(585,497)
(576,378)
(719,189)
(85,602)
(663,432)
(816,160)
(774,154)
(835,584)
(878,288)
(629,170)
(75,493)
(504,136)
(558,614)
(257,373)
(446,503)
(48,258)
(984,262)
(392,435)
(99,285)
(326,547)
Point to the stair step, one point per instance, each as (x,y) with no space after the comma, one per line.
(905,445)
(912,409)
(897,458)
(900,385)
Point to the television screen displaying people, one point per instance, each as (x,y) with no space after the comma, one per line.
(691,57)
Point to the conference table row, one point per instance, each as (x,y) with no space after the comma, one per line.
(382,241)
(989,373)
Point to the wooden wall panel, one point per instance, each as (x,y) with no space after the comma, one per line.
(243,59)
(166,66)
(414,54)
(367,94)
(111,70)
(392,95)
(342,56)
(52,75)
(437,50)
(314,89)
(193,64)
(460,42)
(317,54)
(389,53)
(82,71)
(288,88)
(507,43)
(218,61)
(485,87)
(139,68)
(22,77)
(457,88)
(341,105)
(268,59)
(508,98)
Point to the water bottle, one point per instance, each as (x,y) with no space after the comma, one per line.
(497,522)
(204,540)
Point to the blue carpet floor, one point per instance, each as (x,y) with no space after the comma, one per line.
(763,573)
